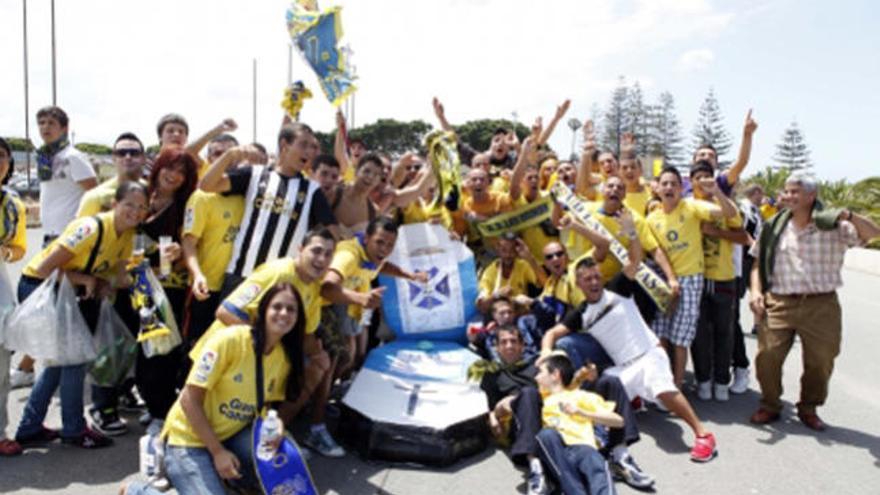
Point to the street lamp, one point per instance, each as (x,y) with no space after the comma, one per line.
(574,124)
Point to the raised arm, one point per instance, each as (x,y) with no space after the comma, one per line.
(548,131)
(584,183)
(865,227)
(215,179)
(745,151)
(440,113)
(339,144)
(405,196)
(522,160)
(195,147)
(601,243)
(726,208)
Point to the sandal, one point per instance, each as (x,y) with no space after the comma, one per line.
(9,447)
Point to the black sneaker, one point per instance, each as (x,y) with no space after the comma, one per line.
(627,470)
(130,402)
(89,439)
(107,421)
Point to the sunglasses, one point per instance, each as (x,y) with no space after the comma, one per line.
(132,152)
(557,254)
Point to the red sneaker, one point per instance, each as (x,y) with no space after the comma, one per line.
(9,447)
(704,449)
(89,439)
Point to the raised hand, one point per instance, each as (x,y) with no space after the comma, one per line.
(228,125)
(751,125)
(589,136)
(627,145)
(562,109)
(439,111)
(537,127)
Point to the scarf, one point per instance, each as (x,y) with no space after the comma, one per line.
(45,155)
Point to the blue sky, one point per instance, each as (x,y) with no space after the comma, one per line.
(124,64)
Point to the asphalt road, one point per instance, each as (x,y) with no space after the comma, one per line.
(784,458)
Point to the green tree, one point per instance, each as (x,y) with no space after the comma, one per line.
(20,144)
(478,133)
(638,118)
(792,152)
(772,180)
(93,148)
(388,135)
(709,128)
(664,134)
(616,120)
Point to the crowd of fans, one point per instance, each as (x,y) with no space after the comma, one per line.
(272,280)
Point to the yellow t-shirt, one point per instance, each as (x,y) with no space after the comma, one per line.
(521,276)
(767,211)
(244,301)
(420,211)
(564,290)
(610,266)
(679,234)
(98,199)
(638,201)
(497,203)
(80,237)
(351,262)
(577,245)
(574,428)
(213,219)
(226,368)
(13,228)
(534,237)
(718,253)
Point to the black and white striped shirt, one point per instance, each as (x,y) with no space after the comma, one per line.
(279,210)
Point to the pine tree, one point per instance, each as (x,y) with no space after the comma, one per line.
(709,128)
(792,152)
(616,120)
(638,118)
(664,135)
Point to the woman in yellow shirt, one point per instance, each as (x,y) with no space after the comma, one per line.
(92,253)
(209,428)
(13,243)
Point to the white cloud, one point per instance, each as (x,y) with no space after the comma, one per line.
(121,65)
(695,60)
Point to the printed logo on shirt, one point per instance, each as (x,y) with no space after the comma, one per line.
(80,234)
(246,294)
(205,365)
(238,378)
(237,410)
(672,235)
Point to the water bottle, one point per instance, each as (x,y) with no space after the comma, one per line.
(270,432)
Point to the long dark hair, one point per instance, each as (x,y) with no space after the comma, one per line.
(170,157)
(291,342)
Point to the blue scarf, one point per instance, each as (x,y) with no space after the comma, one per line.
(46,154)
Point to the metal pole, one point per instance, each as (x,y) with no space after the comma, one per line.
(54,87)
(255,100)
(27,111)
(289,64)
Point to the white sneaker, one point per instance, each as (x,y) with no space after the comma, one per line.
(704,390)
(740,381)
(721,393)
(19,378)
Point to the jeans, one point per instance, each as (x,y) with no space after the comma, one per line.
(69,378)
(583,348)
(579,469)
(525,425)
(713,345)
(191,469)
(740,358)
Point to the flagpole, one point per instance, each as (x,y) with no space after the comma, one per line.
(54,91)
(255,100)
(27,122)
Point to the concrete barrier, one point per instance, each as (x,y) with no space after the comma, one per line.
(863,260)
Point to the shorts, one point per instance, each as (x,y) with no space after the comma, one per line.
(647,376)
(336,327)
(680,327)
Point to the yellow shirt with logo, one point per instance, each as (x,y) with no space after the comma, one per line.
(351,262)
(521,276)
(226,368)
(98,199)
(678,233)
(213,219)
(80,237)
(13,228)
(244,301)
(574,428)
(718,253)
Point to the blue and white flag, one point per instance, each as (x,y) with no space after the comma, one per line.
(441,308)
(317,36)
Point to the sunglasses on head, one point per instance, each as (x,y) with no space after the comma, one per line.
(557,254)
(128,152)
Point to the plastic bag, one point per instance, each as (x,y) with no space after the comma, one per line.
(7,301)
(73,344)
(33,322)
(158,334)
(117,348)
